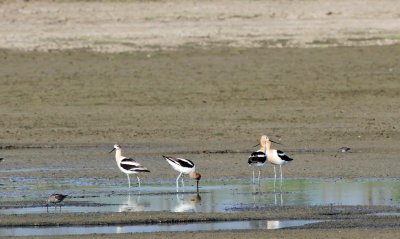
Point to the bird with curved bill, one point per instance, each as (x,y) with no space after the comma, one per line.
(276,157)
(258,158)
(128,165)
(183,166)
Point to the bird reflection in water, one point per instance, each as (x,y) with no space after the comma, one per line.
(188,205)
(259,196)
(132,205)
(276,199)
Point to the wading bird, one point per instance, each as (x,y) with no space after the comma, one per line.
(259,157)
(184,166)
(276,157)
(128,165)
(55,198)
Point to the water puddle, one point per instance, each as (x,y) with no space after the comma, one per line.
(97,196)
(203,226)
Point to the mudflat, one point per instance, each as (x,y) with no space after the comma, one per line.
(202,81)
(214,102)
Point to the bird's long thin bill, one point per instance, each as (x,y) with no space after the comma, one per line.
(256,145)
(112,150)
(275,142)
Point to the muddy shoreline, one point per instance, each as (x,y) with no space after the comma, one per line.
(353,221)
(351,214)
(71,87)
(199,125)
(197,122)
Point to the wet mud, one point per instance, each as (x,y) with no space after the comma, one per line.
(216,102)
(62,110)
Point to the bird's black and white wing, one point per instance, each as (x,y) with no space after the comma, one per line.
(131,165)
(283,156)
(180,162)
(257,157)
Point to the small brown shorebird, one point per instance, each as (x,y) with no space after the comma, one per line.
(55,198)
(343,150)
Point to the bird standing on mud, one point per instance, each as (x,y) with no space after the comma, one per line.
(184,166)
(128,165)
(55,198)
(259,157)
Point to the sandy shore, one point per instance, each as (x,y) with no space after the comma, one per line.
(202,80)
(118,26)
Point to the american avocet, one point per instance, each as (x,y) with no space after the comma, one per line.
(276,157)
(184,166)
(128,165)
(55,198)
(258,158)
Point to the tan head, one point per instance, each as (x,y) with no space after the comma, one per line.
(196,176)
(263,140)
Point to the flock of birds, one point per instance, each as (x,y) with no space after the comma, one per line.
(264,154)
(185,166)
(257,159)
(131,166)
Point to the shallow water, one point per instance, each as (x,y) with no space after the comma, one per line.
(208,226)
(88,195)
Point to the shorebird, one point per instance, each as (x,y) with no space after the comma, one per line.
(343,150)
(1,159)
(184,166)
(55,198)
(128,165)
(259,157)
(276,157)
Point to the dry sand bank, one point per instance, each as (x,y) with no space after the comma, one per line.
(117,26)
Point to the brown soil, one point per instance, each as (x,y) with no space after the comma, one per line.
(202,80)
(214,102)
